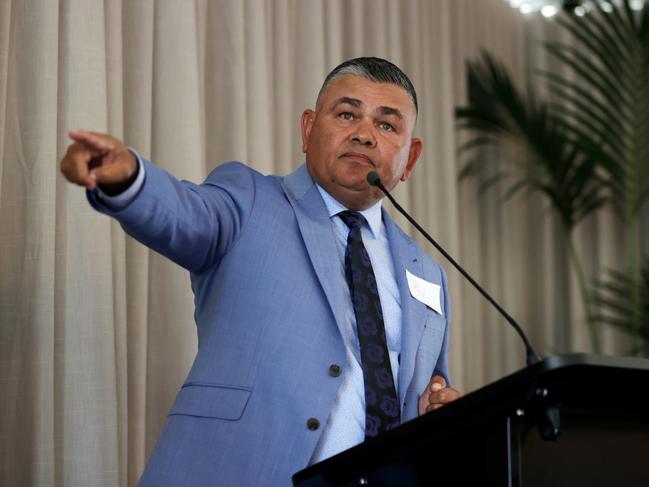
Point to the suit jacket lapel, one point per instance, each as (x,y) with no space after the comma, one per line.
(313,221)
(405,255)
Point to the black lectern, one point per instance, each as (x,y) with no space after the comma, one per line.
(495,435)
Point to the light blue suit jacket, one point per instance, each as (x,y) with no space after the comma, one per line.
(268,310)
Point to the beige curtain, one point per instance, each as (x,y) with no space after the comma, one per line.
(96,332)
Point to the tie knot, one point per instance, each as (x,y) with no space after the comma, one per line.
(352,219)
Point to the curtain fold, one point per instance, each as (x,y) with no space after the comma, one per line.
(97,332)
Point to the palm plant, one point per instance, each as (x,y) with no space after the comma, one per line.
(615,299)
(586,147)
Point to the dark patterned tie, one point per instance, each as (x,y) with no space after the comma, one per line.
(381,403)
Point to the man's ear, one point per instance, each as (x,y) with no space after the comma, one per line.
(416,146)
(306,124)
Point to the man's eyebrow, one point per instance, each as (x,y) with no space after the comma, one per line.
(355,102)
(390,111)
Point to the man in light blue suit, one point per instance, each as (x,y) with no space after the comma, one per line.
(277,382)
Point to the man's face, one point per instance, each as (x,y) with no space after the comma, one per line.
(360,126)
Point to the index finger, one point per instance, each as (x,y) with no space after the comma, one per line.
(99,142)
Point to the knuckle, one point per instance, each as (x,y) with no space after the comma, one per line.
(66,167)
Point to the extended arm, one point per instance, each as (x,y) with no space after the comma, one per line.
(193,225)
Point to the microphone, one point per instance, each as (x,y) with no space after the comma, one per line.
(374,179)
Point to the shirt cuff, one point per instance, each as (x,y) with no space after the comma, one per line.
(126,197)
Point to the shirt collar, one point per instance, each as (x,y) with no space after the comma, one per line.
(371,214)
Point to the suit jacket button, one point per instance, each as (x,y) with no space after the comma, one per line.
(334,370)
(313,424)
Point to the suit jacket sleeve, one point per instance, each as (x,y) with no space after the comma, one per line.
(193,225)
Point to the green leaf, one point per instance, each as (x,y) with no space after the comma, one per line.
(596,77)
(613,297)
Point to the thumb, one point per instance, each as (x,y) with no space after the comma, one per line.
(437,383)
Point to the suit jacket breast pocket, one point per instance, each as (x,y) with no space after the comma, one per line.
(211,401)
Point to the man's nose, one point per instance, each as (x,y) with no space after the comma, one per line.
(364,134)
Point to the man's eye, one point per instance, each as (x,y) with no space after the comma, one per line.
(346,116)
(386,126)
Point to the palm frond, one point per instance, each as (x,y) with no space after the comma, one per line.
(612,297)
(497,110)
(587,69)
(605,92)
(597,37)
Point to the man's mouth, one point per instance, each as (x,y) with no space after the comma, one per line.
(358,157)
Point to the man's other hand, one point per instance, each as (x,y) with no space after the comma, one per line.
(436,394)
(101,159)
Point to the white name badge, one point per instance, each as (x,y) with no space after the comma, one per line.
(427,292)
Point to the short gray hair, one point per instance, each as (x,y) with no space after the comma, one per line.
(374,69)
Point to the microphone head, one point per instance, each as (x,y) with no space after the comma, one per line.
(373,178)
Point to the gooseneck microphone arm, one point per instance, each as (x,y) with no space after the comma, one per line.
(531,357)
